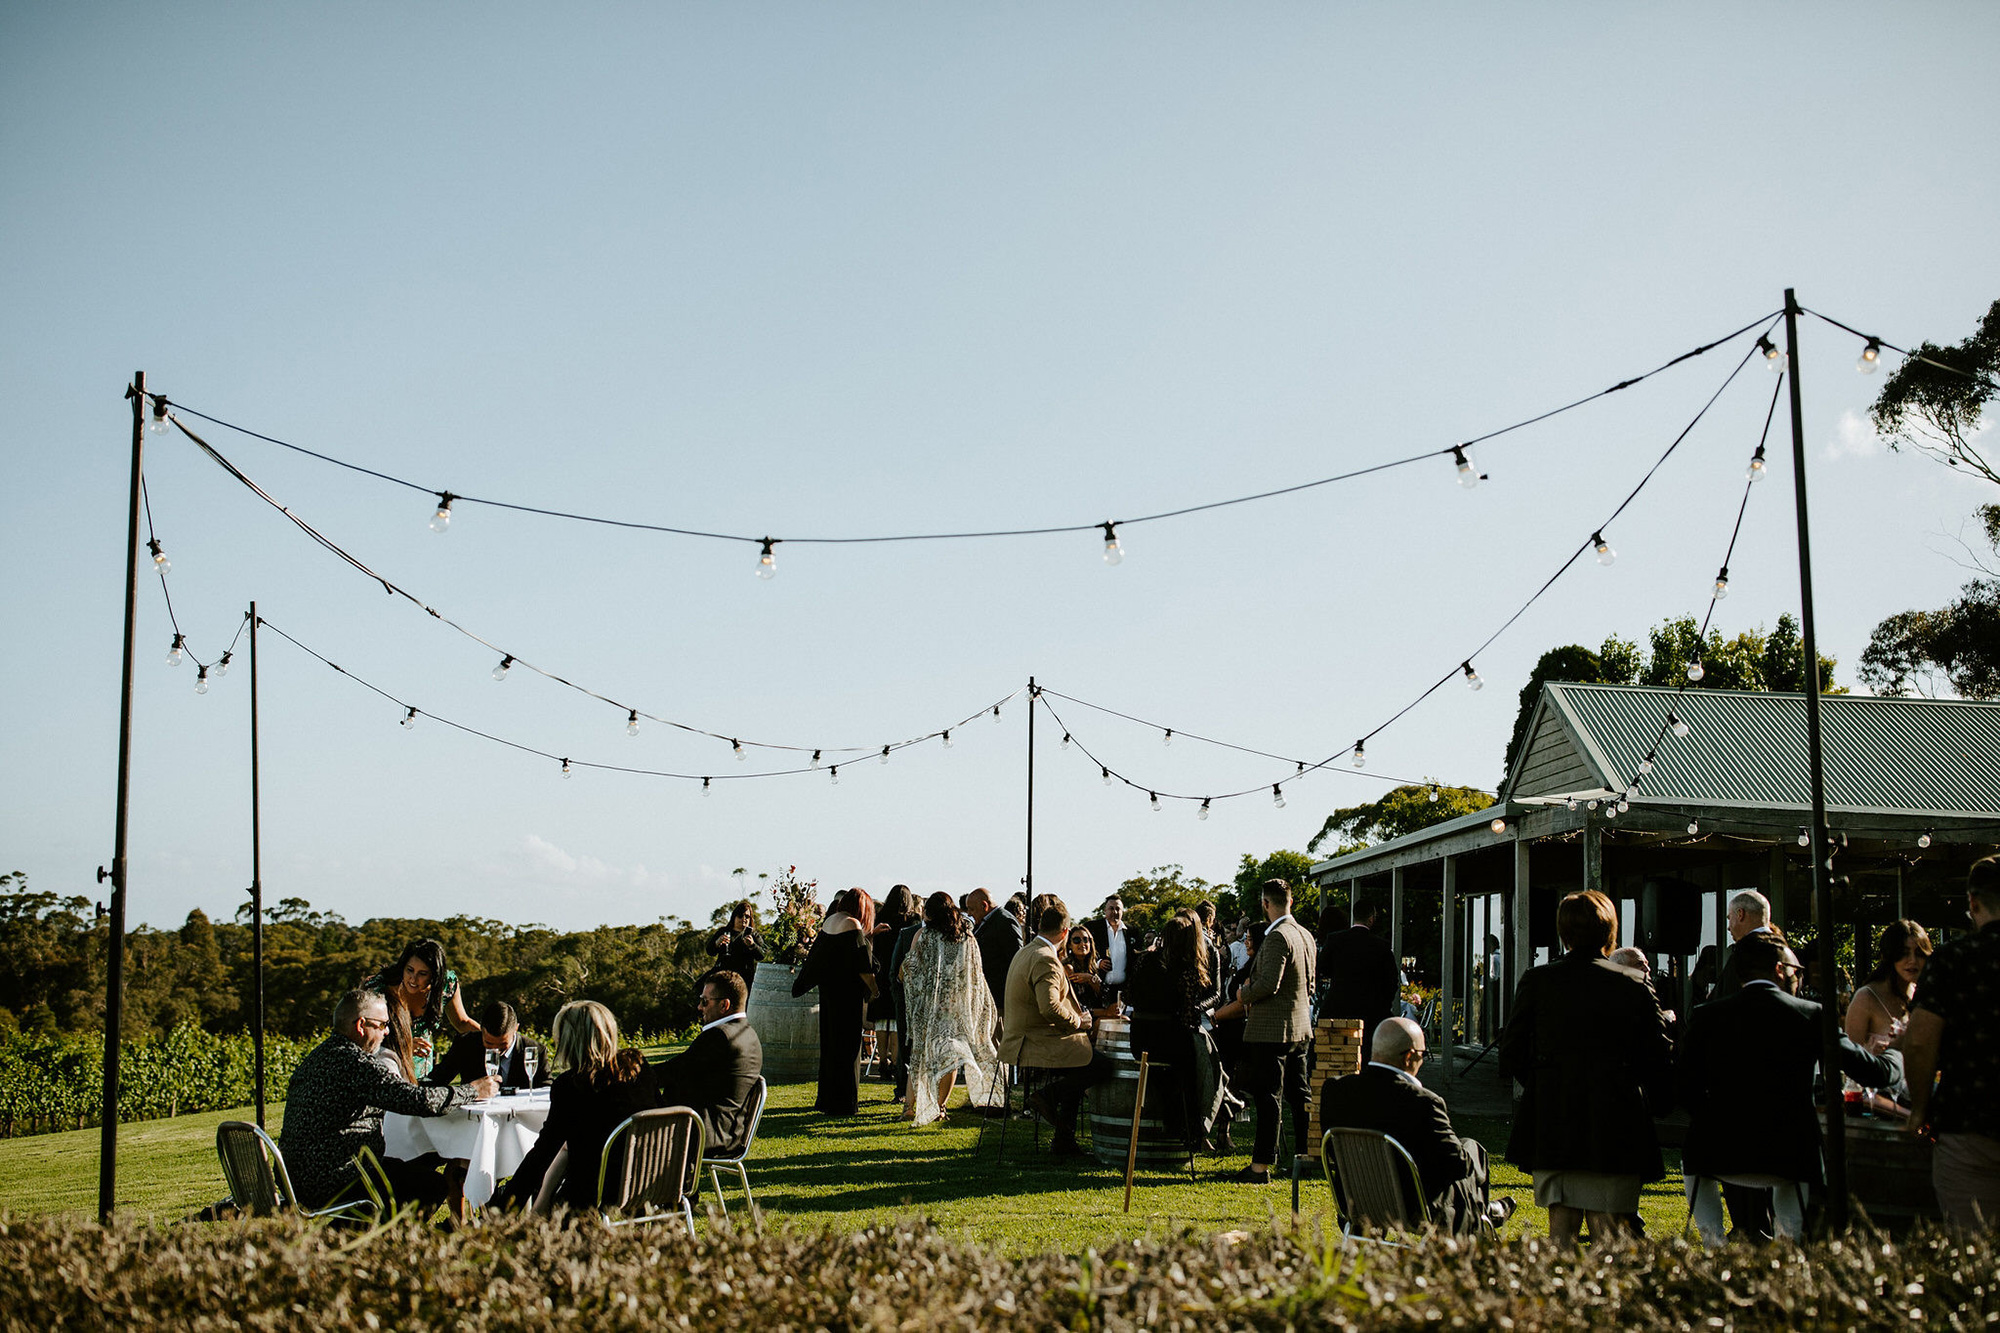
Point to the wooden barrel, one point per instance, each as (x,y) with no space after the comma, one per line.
(1111,1106)
(787,1026)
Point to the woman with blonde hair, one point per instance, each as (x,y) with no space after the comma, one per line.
(600,1086)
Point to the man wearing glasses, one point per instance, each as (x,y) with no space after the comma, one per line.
(335,1104)
(1387,1095)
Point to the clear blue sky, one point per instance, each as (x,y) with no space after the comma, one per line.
(797,268)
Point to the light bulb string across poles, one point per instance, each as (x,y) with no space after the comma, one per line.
(446,497)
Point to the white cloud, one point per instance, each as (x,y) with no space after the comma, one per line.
(1853,437)
(539,859)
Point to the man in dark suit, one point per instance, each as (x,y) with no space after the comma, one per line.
(1745,1073)
(1387,1096)
(1749,915)
(1116,949)
(1363,979)
(998,935)
(717,1073)
(499,1030)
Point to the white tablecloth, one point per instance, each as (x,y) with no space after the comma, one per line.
(490,1137)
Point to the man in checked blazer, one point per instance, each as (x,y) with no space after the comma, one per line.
(1277,1003)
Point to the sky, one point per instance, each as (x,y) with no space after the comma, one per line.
(874,269)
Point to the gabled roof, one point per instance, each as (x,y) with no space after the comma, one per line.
(1880,755)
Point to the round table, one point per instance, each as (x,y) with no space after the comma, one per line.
(490,1137)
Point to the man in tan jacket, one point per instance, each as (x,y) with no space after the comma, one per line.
(1277,997)
(1043,1029)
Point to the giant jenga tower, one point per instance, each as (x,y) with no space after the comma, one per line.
(1336,1052)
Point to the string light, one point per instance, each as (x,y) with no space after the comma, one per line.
(222,665)
(441,520)
(706,787)
(1646,764)
(1065,740)
(1434,793)
(174,652)
(1774,360)
(1805,836)
(996,715)
(1694,826)
(1360,754)
(1571,803)
(1924,838)
(1155,796)
(1167,737)
(1499,827)
(161,564)
(632,722)
(1722,583)
(767,562)
(1605,555)
(1623,806)
(1113,553)
(1203,812)
(201,681)
(1468,475)
(409,722)
(1696,670)
(1681,729)
(1472,680)
(815,760)
(834,774)
(947,738)
(1594,803)
(1107,774)
(1611,810)
(565,768)
(1871,357)
(885,755)
(506,665)
(1277,796)
(158,425)
(1758,467)
(736,748)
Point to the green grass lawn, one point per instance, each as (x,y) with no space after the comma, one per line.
(812,1172)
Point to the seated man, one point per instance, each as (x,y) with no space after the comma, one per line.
(1043,1029)
(1745,1072)
(1387,1096)
(499,1030)
(335,1104)
(716,1073)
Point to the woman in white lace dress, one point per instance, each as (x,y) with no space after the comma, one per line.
(952,1014)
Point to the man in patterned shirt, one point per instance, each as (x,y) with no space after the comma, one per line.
(335,1104)
(1954,1037)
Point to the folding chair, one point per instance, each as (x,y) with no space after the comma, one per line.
(1006,1076)
(662,1152)
(260,1185)
(1365,1172)
(734,1161)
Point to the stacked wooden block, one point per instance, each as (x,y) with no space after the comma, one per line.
(1336,1051)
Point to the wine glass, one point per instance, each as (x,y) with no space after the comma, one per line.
(493,1059)
(530,1059)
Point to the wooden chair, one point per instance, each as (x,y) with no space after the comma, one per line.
(735,1161)
(663,1151)
(1365,1170)
(260,1186)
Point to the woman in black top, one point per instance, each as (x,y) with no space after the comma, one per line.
(737,946)
(899,909)
(600,1088)
(842,968)
(1168,991)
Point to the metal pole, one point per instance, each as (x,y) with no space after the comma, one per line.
(114,982)
(256,875)
(1822,880)
(1028,880)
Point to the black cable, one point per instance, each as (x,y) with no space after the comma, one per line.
(1902,351)
(457,497)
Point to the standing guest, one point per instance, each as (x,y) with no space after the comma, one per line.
(429,990)
(1043,1029)
(1880,1011)
(1169,990)
(1589,1046)
(1749,914)
(334,1107)
(898,952)
(1745,1073)
(738,947)
(1115,946)
(500,1032)
(1239,944)
(716,1074)
(952,1014)
(1276,1002)
(1638,962)
(893,913)
(1226,1030)
(600,1087)
(1388,1096)
(842,969)
(997,932)
(1953,1041)
(1363,979)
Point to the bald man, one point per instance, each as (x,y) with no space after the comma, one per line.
(1388,1096)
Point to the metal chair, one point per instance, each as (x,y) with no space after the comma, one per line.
(1364,1170)
(260,1185)
(663,1150)
(734,1161)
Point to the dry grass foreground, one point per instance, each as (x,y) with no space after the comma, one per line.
(524,1273)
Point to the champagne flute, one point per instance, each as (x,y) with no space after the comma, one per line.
(492,1063)
(530,1059)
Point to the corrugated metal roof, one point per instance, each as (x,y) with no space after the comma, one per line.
(1880,755)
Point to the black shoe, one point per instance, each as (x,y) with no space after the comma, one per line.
(1066,1148)
(1250,1175)
(1499,1211)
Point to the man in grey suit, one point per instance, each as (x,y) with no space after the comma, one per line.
(1276,1003)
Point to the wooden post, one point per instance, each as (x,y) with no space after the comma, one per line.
(1521,938)
(1132,1144)
(1593,855)
(1396,913)
(1449,966)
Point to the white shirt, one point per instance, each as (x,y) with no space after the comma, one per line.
(1402,1074)
(720,1021)
(1239,954)
(1114,949)
(1279,922)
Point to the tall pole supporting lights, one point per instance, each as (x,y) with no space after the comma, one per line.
(1822,879)
(256,873)
(114,985)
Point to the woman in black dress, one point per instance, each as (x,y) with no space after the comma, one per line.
(841,967)
(737,946)
(1169,991)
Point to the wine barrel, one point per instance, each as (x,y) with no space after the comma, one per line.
(787,1025)
(1111,1106)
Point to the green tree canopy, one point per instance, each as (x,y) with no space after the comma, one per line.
(1933,402)
(1295,868)
(1953,649)
(1402,810)
(1153,897)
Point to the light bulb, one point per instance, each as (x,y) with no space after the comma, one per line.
(1155,798)
(174,653)
(1623,806)
(442,518)
(500,672)
(1168,737)
(1646,764)
(885,755)
(1472,680)
(201,681)
(1065,740)
(815,760)
(1107,774)
(566,772)
(1805,836)
(409,722)
(1696,670)
(947,740)
(1571,803)
(1605,555)
(706,787)
(632,722)
(1434,793)
(1681,729)
(1924,839)
(1722,584)
(1773,358)
(736,748)
(834,774)
(996,715)
(158,425)
(1758,467)
(1203,812)
(222,667)
(1468,475)
(1360,754)
(1277,796)
(1611,810)
(1871,357)
(1693,827)
(160,562)
(1499,826)
(1113,553)
(767,561)
(1594,803)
